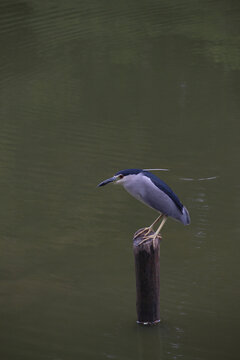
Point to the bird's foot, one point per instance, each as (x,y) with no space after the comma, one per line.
(145,230)
(154,237)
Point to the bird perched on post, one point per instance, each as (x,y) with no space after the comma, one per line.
(152,191)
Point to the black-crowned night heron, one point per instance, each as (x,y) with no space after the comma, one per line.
(152,191)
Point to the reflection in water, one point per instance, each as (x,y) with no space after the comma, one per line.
(88,88)
(202,223)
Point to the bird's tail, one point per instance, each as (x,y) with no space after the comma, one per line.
(185,217)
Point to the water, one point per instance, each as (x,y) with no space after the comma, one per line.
(89,88)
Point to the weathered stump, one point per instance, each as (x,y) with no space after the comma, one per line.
(147,267)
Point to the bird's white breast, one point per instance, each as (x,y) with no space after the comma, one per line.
(134,185)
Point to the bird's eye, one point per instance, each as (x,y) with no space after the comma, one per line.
(120,176)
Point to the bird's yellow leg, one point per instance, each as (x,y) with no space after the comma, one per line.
(160,227)
(148,228)
(155,235)
(156,221)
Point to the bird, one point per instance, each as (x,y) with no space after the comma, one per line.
(154,192)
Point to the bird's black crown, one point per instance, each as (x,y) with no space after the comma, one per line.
(129,172)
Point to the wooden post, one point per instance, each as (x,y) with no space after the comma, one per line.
(147,267)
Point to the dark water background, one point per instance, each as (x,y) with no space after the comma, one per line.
(88,88)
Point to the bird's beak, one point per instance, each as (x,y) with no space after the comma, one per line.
(105,182)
